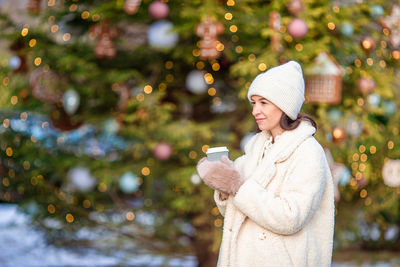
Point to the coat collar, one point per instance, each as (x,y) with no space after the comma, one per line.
(288,141)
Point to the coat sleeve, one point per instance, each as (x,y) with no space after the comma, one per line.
(221,204)
(299,198)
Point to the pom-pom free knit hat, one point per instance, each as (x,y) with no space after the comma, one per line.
(282,85)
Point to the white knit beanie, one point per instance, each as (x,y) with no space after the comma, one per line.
(282,85)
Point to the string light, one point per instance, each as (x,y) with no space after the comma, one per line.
(9,151)
(162,86)
(262,67)
(37,61)
(6,123)
(14,100)
(239,49)
(372,149)
(193,154)
(32,42)
(390,145)
(211,91)
(299,47)
(145,171)
(169,78)
(148,89)
(24,32)
(86,204)
(69,218)
(169,65)
(51,208)
(216,67)
(230,3)
(233,28)
(331,26)
(204,148)
(130,216)
(228,16)
(370,61)
(200,65)
(363,193)
(102,187)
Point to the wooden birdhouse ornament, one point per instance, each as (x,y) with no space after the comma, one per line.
(323,80)
(208,30)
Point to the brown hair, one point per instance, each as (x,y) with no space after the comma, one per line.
(288,124)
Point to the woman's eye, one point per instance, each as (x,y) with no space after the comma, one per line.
(252,103)
(264,102)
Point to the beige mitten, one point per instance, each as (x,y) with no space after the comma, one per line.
(220,175)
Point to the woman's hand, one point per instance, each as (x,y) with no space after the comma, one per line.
(220,175)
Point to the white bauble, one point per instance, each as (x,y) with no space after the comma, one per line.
(195,179)
(14,62)
(71,101)
(129,182)
(391,173)
(195,82)
(81,179)
(161,35)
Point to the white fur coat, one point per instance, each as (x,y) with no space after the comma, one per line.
(283,215)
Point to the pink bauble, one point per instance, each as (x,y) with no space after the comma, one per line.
(162,151)
(366,85)
(158,10)
(297,28)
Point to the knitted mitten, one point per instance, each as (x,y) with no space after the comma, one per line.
(220,175)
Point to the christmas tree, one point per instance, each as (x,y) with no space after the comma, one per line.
(108,105)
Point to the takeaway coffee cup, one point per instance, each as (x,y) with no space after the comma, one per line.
(216,153)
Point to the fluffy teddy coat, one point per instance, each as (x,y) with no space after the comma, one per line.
(283,214)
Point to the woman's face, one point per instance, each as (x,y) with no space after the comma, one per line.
(267,115)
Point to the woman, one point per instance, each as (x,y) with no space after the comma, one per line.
(276,199)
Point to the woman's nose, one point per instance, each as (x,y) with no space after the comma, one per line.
(255,110)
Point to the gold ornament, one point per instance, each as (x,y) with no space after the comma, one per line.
(392,23)
(208,30)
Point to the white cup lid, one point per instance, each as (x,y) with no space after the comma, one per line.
(217,149)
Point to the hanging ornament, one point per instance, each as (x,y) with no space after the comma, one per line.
(195,179)
(389,108)
(18,62)
(33,6)
(366,85)
(245,140)
(295,7)
(111,126)
(368,44)
(71,101)
(161,35)
(131,6)
(338,134)
(275,25)
(45,86)
(124,95)
(208,30)
(195,82)
(223,105)
(158,10)
(334,115)
(324,80)
(81,179)
(62,121)
(347,29)
(354,127)
(14,63)
(297,28)
(105,47)
(376,11)
(392,22)
(162,151)
(129,183)
(374,100)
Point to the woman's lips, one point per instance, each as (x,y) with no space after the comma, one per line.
(258,120)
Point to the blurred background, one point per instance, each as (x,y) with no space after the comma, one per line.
(107,106)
